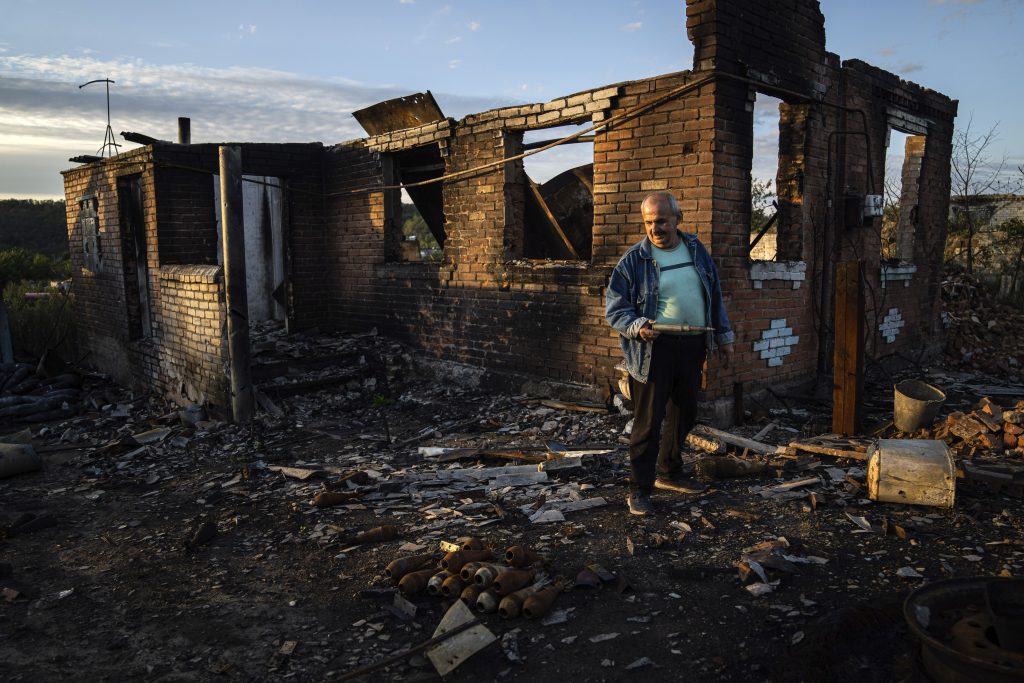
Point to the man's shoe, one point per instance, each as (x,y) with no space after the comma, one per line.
(640,504)
(679,485)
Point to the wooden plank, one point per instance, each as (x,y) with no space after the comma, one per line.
(554,221)
(578,407)
(739,441)
(848,370)
(825,450)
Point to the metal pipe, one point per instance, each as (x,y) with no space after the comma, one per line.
(236,294)
(669,328)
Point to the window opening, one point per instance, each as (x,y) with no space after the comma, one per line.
(414,216)
(764,173)
(558,194)
(904,155)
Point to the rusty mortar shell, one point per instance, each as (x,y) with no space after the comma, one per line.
(487,602)
(511,606)
(538,604)
(512,580)
(485,575)
(726,467)
(470,593)
(453,586)
(414,582)
(326,499)
(439,577)
(470,543)
(521,556)
(469,569)
(453,561)
(403,565)
(386,532)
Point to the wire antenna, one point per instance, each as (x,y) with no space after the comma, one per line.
(108,136)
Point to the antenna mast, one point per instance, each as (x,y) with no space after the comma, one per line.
(108,136)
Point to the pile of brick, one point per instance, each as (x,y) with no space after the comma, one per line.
(983,333)
(989,426)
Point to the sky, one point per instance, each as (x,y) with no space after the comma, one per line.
(293,72)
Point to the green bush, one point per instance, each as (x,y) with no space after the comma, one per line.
(21,264)
(38,324)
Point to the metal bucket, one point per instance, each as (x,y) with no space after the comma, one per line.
(911,472)
(915,404)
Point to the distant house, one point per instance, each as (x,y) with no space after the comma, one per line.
(988,209)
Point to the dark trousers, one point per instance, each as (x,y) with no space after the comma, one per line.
(665,408)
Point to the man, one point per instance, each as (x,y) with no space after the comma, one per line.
(669,278)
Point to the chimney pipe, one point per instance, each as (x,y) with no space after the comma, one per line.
(184,130)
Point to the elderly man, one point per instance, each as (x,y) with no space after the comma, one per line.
(667,278)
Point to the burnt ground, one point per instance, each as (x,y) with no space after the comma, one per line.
(113,591)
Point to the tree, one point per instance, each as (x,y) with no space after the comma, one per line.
(761,197)
(413,224)
(36,225)
(1014,231)
(892,197)
(20,264)
(972,173)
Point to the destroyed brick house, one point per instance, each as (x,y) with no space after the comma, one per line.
(519,288)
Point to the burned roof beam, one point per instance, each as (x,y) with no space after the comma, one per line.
(542,143)
(140,138)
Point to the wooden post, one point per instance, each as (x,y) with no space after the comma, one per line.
(233,239)
(184,130)
(848,370)
(737,402)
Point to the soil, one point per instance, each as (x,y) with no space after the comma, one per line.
(117,590)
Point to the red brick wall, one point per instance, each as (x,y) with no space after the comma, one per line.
(884,96)
(185,357)
(781,41)
(190,324)
(100,309)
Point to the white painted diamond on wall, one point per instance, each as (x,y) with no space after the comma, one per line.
(891,325)
(776,342)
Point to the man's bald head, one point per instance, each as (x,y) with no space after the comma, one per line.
(665,198)
(661,215)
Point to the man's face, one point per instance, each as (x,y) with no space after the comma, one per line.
(660,223)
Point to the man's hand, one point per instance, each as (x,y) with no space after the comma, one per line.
(648,333)
(725,355)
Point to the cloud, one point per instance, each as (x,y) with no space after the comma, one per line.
(454,63)
(473,26)
(910,68)
(43,112)
(955,2)
(453,40)
(406,2)
(634,26)
(887,51)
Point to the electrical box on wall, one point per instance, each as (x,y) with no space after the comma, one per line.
(853,210)
(873,206)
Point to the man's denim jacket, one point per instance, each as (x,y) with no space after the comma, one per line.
(632,299)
